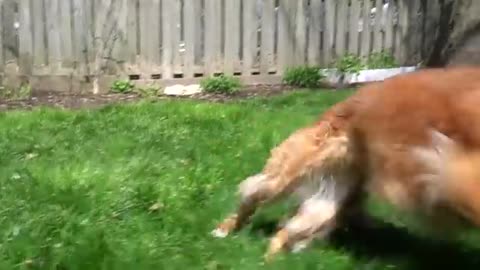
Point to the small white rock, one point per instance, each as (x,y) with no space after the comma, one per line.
(182,90)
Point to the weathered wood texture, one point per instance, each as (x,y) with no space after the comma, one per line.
(190,39)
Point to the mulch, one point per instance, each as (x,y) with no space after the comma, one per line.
(78,101)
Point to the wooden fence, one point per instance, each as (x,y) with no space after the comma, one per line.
(60,44)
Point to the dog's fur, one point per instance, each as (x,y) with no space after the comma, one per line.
(379,140)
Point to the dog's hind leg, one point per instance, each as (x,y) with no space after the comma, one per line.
(317,217)
(256,190)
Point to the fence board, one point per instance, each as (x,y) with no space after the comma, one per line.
(390,27)
(340,44)
(54,22)
(2,51)
(150,16)
(212,35)
(414,28)
(314,33)
(300,32)
(10,44)
(286,34)
(168,26)
(25,36)
(39,48)
(354,18)
(401,46)
(192,27)
(329,32)
(232,35)
(268,35)
(176,31)
(66,45)
(120,44)
(249,36)
(80,36)
(132,33)
(366,29)
(378,27)
(432,16)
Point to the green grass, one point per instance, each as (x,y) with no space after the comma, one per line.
(140,186)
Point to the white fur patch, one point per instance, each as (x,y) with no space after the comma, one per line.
(434,157)
(321,196)
(218,233)
(252,184)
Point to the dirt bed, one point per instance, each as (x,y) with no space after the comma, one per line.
(78,101)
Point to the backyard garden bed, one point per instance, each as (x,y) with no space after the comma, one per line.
(77,101)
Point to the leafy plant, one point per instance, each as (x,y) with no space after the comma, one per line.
(22,92)
(349,64)
(221,84)
(122,86)
(381,59)
(306,76)
(147,92)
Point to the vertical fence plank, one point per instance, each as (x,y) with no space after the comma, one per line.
(192,27)
(80,36)
(25,36)
(232,35)
(401,44)
(300,32)
(132,33)
(66,44)
(54,21)
(118,21)
(268,31)
(389,27)
(212,35)
(10,42)
(413,33)
(150,16)
(39,48)
(249,36)
(378,27)
(342,12)
(314,38)
(366,29)
(168,26)
(2,50)
(286,34)
(432,14)
(329,32)
(89,22)
(354,27)
(176,31)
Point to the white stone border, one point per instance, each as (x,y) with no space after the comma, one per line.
(367,75)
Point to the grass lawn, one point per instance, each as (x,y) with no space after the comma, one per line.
(140,186)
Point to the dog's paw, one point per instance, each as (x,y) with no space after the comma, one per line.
(299,246)
(219,233)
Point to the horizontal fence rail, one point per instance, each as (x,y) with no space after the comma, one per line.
(185,40)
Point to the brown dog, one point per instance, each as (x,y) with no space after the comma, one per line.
(378,140)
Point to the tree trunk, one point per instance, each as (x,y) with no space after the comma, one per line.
(457,39)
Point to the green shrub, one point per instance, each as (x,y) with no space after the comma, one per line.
(381,60)
(221,84)
(349,64)
(305,77)
(122,86)
(147,92)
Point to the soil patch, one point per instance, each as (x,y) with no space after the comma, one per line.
(78,101)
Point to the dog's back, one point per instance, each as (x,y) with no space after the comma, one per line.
(391,124)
